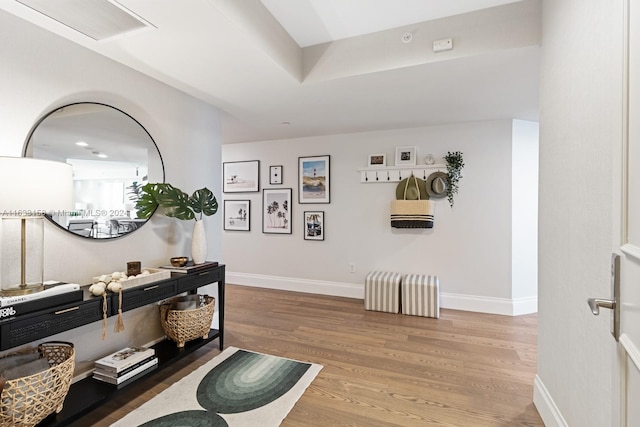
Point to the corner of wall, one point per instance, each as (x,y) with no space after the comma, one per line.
(545,405)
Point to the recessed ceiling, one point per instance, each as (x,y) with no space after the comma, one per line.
(261,64)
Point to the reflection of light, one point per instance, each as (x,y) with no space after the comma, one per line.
(81,144)
(102,156)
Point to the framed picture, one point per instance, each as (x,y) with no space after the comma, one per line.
(237,215)
(276,211)
(275,175)
(313,179)
(377,160)
(405,156)
(314,225)
(241,177)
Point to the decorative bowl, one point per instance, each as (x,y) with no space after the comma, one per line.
(179,261)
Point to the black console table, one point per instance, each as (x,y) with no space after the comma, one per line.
(87,394)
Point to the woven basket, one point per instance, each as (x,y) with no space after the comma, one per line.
(26,401)
(186,325)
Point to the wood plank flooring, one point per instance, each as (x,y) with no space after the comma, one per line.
(380,369)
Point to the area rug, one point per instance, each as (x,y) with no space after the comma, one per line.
(237,388)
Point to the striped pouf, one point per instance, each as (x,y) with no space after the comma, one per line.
(421,295)
(382,291)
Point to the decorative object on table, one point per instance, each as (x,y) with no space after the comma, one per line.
(190,267)
(42,384)
(275,175)
(276,211)
(314,179)
(437,184)
(410,212)
(455,163)
(237,215)
(180,205)
(406,156)
(182,325)
(32,187)
(223,392)
(377,160)
(241,177)
(179,261)
(314,225)
(134,268)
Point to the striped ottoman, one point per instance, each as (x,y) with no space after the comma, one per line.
(421,295)
(382,291)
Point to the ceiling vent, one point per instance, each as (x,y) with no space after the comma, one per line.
(98,19)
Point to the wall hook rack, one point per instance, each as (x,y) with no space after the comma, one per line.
(398,173)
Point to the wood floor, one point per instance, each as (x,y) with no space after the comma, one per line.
(380,369)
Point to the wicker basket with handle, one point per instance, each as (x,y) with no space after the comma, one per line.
(186,325)
(26,401)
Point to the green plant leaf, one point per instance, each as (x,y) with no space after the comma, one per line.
(176,204)
(148,201)
(203,202)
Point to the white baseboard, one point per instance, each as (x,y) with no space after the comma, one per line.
(545,405)
(480,304)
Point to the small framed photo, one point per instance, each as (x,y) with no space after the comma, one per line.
(241,177)
(275,175)
(405,156)
(314,179)
(276,211)
(314,225)
(237,215)
(377,160)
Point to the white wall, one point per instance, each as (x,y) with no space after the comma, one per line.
(580,135)
(41,71)
(469,248)
(524,209)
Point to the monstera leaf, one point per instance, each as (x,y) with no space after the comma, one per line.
(175,202)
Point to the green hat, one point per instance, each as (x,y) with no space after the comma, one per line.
(412,191)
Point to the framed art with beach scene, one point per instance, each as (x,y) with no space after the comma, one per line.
(241,177)
(276,211)
(237,215)
(314,225)
(313,179)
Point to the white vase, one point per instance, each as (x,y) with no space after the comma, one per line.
(199,243)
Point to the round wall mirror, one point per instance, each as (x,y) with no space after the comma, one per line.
(112,156)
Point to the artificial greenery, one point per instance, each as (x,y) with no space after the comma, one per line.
(454,170)
(175,202)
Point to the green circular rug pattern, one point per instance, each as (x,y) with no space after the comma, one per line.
(247,381)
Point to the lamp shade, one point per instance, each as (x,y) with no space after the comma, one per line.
(34,186)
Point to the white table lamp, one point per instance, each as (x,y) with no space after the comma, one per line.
(29,188)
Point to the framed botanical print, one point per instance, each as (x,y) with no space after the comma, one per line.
(314,179)
(314,225)
(237,215)
(276,210)
(241,177)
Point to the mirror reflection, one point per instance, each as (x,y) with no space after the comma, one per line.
(112,156)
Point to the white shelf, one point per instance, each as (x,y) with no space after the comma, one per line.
(398,173)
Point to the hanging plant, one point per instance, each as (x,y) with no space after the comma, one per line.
(454,170)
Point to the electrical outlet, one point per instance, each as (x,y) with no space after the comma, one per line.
(352,267)
(442,44)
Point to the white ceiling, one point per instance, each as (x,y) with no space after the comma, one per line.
(261,62)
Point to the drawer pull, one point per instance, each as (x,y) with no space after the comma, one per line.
(151,288)
(204,273)
(66,310)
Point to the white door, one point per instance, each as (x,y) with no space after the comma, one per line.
(625,298)
(629,304)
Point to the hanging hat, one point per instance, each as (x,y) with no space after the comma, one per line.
(437,184)
(412,191)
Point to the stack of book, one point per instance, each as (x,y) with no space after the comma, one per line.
(124,365)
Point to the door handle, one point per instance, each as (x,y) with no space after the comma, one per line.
(612,304)
(596,303)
